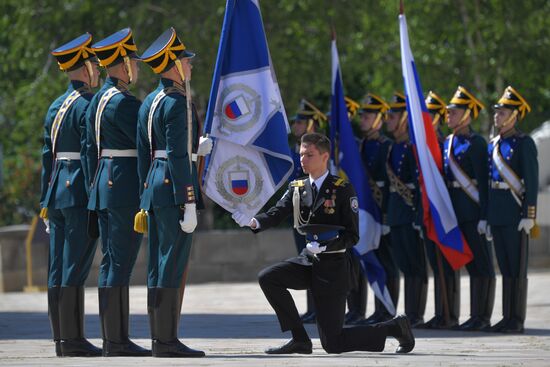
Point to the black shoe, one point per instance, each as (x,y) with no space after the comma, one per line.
(375,318)
(474,324)
(416,322)
(58,348)
(308,318)
(292,347)
(496,328)
(353,318)
(127,349)
(512,327)
(406,340)
(174,349)
(78,348)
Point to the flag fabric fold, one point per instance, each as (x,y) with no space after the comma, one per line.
(438,214)
(245,117)
(346,161)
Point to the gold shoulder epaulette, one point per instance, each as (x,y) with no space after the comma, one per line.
(297,183)
(340,182)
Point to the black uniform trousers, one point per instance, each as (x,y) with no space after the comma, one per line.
(328,279)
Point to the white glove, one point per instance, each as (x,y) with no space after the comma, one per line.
(47,224)
(482,227)
(385,229)
(241,218)
(526,224)
(205,146)
(488,234)
(189,222)
(314,247)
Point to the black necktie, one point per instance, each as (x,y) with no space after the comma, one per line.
(314,190)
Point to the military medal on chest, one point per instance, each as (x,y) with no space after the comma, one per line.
(330,204)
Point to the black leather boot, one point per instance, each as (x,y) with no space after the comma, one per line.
(480,298)
(114,310)
(416,292)
(151,292)
(309,317)
(381,314)
(399,328)
(507,294)
(453,300)
(166,319)
(53,314)
(71,324)
(518,307)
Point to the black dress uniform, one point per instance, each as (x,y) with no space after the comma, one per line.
(314,119)
(63,202)
(449,284)
(374,152)
(169,182)
(327,274)
(513,170)
(114,191)
(466,175)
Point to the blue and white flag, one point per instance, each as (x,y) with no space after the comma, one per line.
(347,162)
(245,117)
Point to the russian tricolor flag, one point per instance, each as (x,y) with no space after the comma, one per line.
(439,216)
(237,108)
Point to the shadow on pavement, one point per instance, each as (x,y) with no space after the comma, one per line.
(35,325)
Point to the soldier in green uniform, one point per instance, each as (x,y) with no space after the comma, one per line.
(63,199)
(446,280)
(404,212)
(167,150)
(513,171)
(374,152)
(308,119)
(465,154)
(114,187)
(327,212)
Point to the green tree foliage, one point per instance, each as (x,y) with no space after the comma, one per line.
(482,45)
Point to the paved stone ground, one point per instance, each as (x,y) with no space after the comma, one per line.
(233,323)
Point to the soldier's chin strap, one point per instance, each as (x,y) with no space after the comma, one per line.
(88,66)
(510,120)
(436,119)
(375,126)
(463,121)
(128,68)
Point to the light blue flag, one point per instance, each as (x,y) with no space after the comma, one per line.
(246,117)
(347,163)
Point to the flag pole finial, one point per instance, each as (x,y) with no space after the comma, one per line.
(401,7)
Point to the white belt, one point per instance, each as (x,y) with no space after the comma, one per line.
(334,252)
(110,153)
(380,183)
(162,154)
(67,156)
(499,185)
(457,185)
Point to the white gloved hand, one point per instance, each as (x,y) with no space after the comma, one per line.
(47,224)
(488,234)
(526,224)
(205,146)
(241,218)
(385,229)
(189,222)
(482,227)
(314,247)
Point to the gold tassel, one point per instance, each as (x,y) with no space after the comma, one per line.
(44,213)
(535,232)
(140,222)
